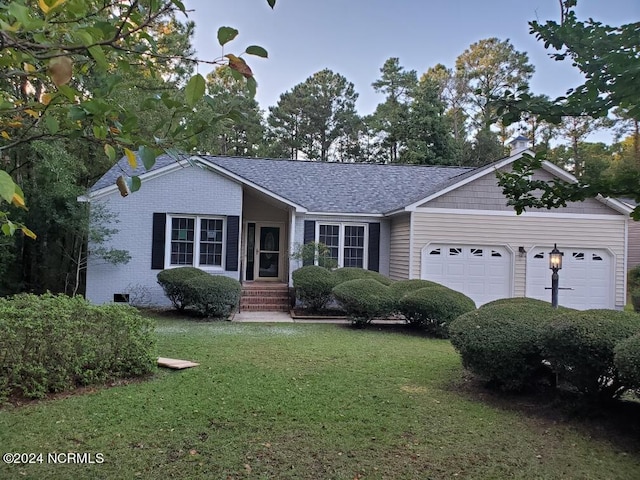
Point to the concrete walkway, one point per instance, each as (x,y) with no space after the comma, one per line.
(285,317)
(262,317)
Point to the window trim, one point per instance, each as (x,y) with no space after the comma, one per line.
(341,243)
(196,241)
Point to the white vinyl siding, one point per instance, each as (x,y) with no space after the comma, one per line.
(399,250)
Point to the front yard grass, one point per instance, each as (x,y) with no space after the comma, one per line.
(312,402)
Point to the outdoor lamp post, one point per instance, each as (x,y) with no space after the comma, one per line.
(555,264)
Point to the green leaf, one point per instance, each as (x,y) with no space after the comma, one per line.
(110,151)
(22,15)
(226,34)
(98,55)
(257,50)
(7,186)
(194,90)
(6,229)
(136,183)
(52,124)
(252,85)
(148,156)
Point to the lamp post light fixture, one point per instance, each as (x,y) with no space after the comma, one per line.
(555,264)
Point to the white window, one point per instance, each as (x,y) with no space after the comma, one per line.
(195,241)
(346,242)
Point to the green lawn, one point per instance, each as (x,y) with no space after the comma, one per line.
(307,401)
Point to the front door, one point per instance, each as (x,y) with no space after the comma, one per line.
(268,252)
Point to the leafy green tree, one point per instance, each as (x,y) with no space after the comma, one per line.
(390,121)
(430,139)
(317,117)
(450,88)
(608,58)
(487,69)
(241,130)
(60,63)
(575,130)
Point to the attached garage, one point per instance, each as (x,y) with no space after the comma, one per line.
(482,272)
(587,278)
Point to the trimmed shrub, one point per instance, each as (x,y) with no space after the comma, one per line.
(402,287)
(580,348)
(313,286)
(212,295)
(520,301)
(626,359)
(172,281)
(55,343)
(635,299)
(364,299)
(352,273)
(434,308)
(500,342)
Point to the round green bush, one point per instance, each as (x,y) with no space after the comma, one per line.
(212,295)
(627,361)
(402,287)
(519,301)
(352,273)
(580,348)
(434,308)
(364,299)
(172,281)
(500,342)
(313,286)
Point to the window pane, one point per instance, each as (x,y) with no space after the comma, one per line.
(353,236)
(354,246)
(330,236)
(354,257)
(182,235)
(211,241)
(181,253)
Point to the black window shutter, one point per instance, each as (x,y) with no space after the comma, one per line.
(374,247)
(233,236)
(157,240)
(309,236)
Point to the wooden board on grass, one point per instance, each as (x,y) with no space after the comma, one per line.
(175,364)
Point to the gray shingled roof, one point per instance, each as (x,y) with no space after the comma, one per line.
(325,187)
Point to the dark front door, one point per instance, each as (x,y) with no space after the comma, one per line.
(268,253)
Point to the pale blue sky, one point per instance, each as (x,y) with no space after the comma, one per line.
(355,37)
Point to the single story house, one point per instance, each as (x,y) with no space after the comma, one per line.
(243,217)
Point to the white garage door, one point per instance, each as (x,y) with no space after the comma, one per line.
(587,272)
(482,272)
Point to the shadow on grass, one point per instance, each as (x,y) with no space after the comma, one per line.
(617,421)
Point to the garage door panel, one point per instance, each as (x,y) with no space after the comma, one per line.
(588,273)
(481,272)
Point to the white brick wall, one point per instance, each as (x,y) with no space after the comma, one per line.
(189,190)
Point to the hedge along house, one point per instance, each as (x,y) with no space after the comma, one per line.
(244,217)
